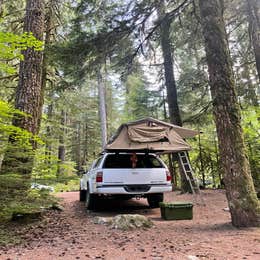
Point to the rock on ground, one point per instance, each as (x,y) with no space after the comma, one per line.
(125,221)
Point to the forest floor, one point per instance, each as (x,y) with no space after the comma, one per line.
(71,234)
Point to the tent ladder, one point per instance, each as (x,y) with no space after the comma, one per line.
(188,172)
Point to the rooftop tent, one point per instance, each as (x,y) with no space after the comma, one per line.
(150,134)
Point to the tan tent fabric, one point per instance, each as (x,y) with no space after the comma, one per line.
(150,134)
(182,131)
(144,134)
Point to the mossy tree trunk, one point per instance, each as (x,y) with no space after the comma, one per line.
(19,159)
(243,203)
(28,94)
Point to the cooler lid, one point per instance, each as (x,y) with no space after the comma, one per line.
(176,204)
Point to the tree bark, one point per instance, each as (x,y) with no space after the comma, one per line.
(253,16)
(170,156)
(168,62)
(47,41)
(102,107)
(61,148)
(241,195)
(48,146)
(202,170)
(85,143)
(78,148)
(171,88)
(19,159)
(28,94)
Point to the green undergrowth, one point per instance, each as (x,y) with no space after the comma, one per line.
(16,197)
(71,185)
(32,203)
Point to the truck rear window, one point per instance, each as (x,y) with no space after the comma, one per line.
(125,161)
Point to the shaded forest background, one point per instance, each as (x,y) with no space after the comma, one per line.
(103,64)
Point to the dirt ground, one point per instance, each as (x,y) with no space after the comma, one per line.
(71,234)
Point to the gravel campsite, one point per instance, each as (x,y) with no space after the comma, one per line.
(72,234)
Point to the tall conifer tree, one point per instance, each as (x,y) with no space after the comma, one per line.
(243,203)
(28,93)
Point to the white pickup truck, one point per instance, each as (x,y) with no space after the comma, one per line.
(125,175)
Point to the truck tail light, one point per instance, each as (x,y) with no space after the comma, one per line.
(168,176)
(99,177)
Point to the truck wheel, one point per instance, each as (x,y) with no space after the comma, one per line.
(91,200)
(154,199)
(82,195)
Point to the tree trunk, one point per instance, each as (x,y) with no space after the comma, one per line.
(28,94)
(202,170)
(171,88)
(85,143)
(61,148)
(78,148)
(253,16)
(241,195)
(102,108)
(170,156)
(170,83)
(48,146)
(48,30)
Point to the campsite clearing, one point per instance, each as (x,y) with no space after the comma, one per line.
(72,234)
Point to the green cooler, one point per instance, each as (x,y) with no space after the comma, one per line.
(176,210)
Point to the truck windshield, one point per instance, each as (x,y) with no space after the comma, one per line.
(125,161)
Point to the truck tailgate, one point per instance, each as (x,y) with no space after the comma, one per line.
(134,176)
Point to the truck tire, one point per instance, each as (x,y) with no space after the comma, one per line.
(154,199)
(91,200)
(82,195)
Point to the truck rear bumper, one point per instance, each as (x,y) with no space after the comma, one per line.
(133,189)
